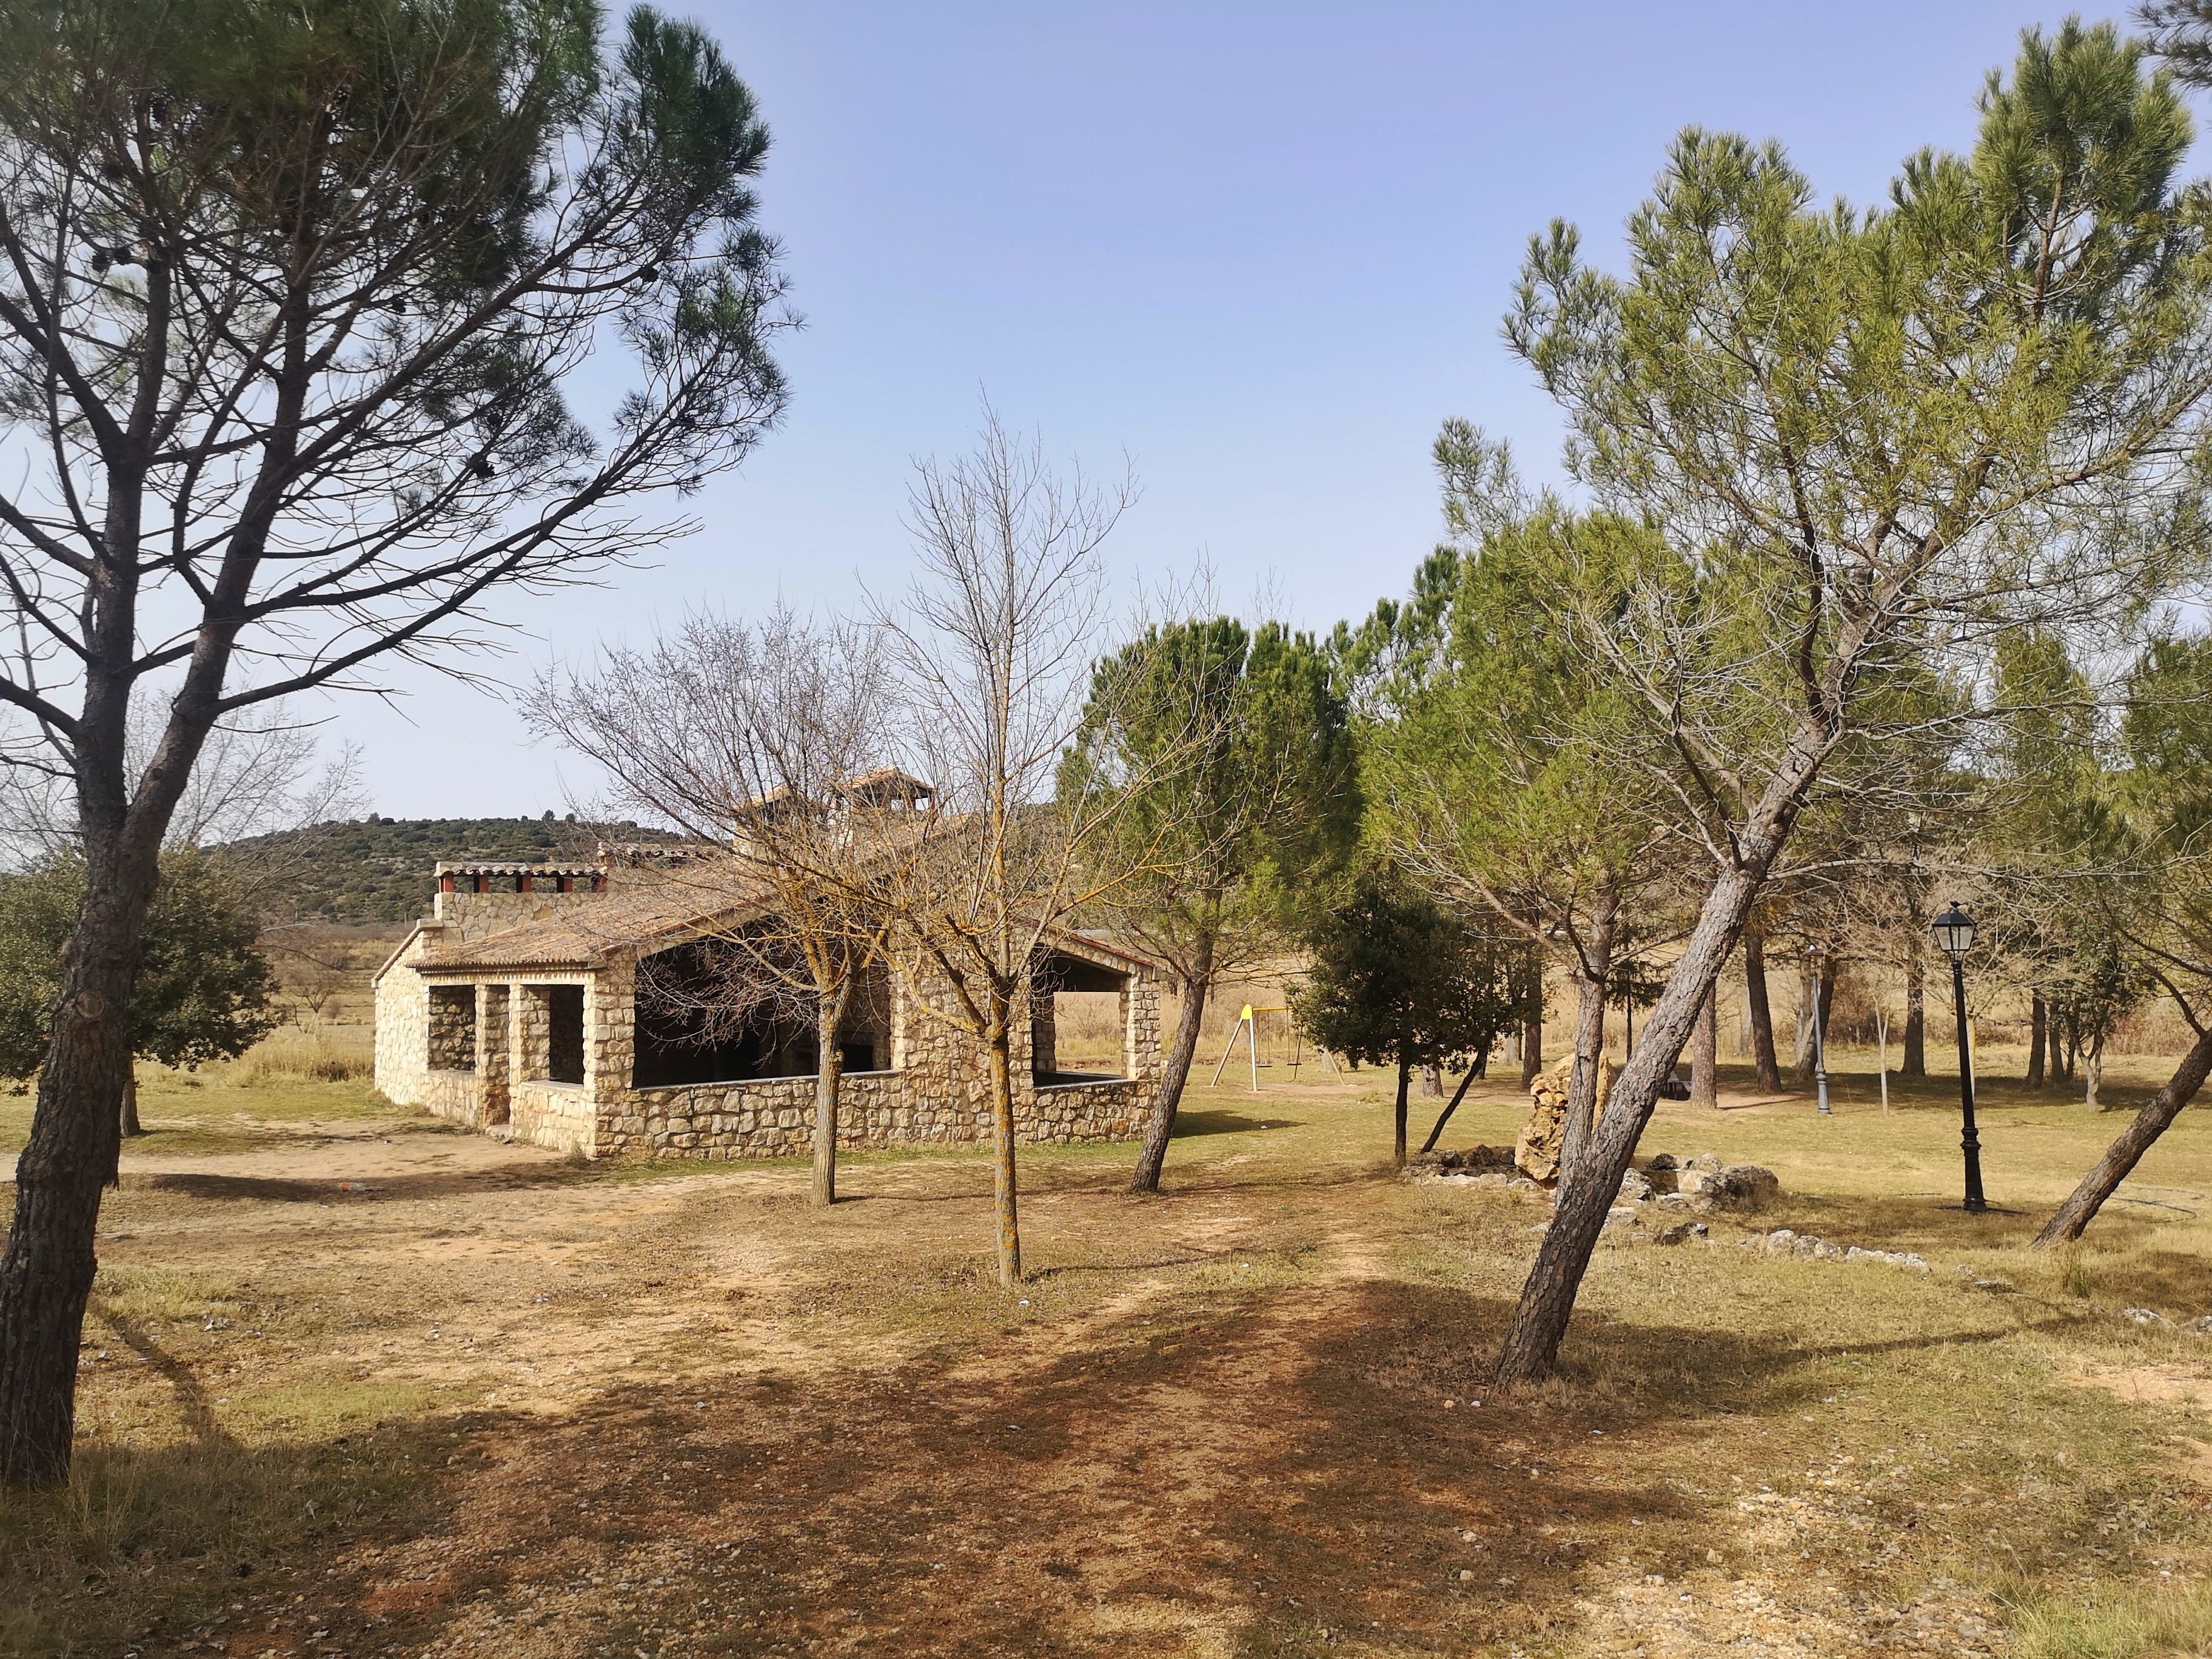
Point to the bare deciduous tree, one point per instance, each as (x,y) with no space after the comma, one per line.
(993,647)
(756,737)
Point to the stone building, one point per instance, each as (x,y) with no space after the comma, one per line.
(516,1007)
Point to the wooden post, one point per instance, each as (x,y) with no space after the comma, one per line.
(1231,1048)
(1882,1048)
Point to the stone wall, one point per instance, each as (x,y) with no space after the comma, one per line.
(775,1118)
(559,1115)
(455,1096)
(509,1084)
(453,1029)
(402,1022)
(1068,1113)
(495,1053)
(1140,1030)
(473,916)
(937,1094)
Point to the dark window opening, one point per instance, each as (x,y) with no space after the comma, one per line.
(705,1016)
(564,1034)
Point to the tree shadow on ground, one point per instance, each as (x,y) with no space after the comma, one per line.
(1273,1462)
(1224,1121)
(430,1183)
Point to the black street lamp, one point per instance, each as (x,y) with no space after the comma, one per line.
(1954,931)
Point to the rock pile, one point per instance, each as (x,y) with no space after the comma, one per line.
(1703,1183)
(2200,1326)
(1473,1161)
(1783,1241)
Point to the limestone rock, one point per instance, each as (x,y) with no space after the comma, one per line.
(1537,1151)
(1743,1187)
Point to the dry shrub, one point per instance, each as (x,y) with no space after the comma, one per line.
(165,1534)
(2120,1622)
(328,1054)
(126,1295)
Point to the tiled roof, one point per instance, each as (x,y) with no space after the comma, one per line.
(690,900)
(584,931)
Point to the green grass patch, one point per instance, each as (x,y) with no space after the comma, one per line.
(2112,1621)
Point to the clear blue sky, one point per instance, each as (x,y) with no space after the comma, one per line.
(1263,249)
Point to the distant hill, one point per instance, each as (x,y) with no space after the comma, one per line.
(383,869)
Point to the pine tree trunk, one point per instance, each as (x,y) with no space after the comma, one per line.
(1705,1054)
(1588,1188)
(1582,1083)
(1405,1077)
(828,1070)
(76,1130)
(2039,1033)
(46,1273)
(2092,1073)
(129,1122)
(2122,1156)
(1458,1095)
(1915,1063)
(1594,967)
(1767,1070)
(1532,1033)
(1004,1198)
(1159,1127)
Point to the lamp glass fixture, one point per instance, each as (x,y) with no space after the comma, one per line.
(1954,931)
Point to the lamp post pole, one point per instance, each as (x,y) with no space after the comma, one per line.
(1954,931)
(1820,1043)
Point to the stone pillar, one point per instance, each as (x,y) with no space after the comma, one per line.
(494,1042)
(533,1024)
(1140,1027)
(1044,1037)
(610,1048)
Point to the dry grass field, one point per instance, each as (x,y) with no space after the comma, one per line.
(355,1384)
